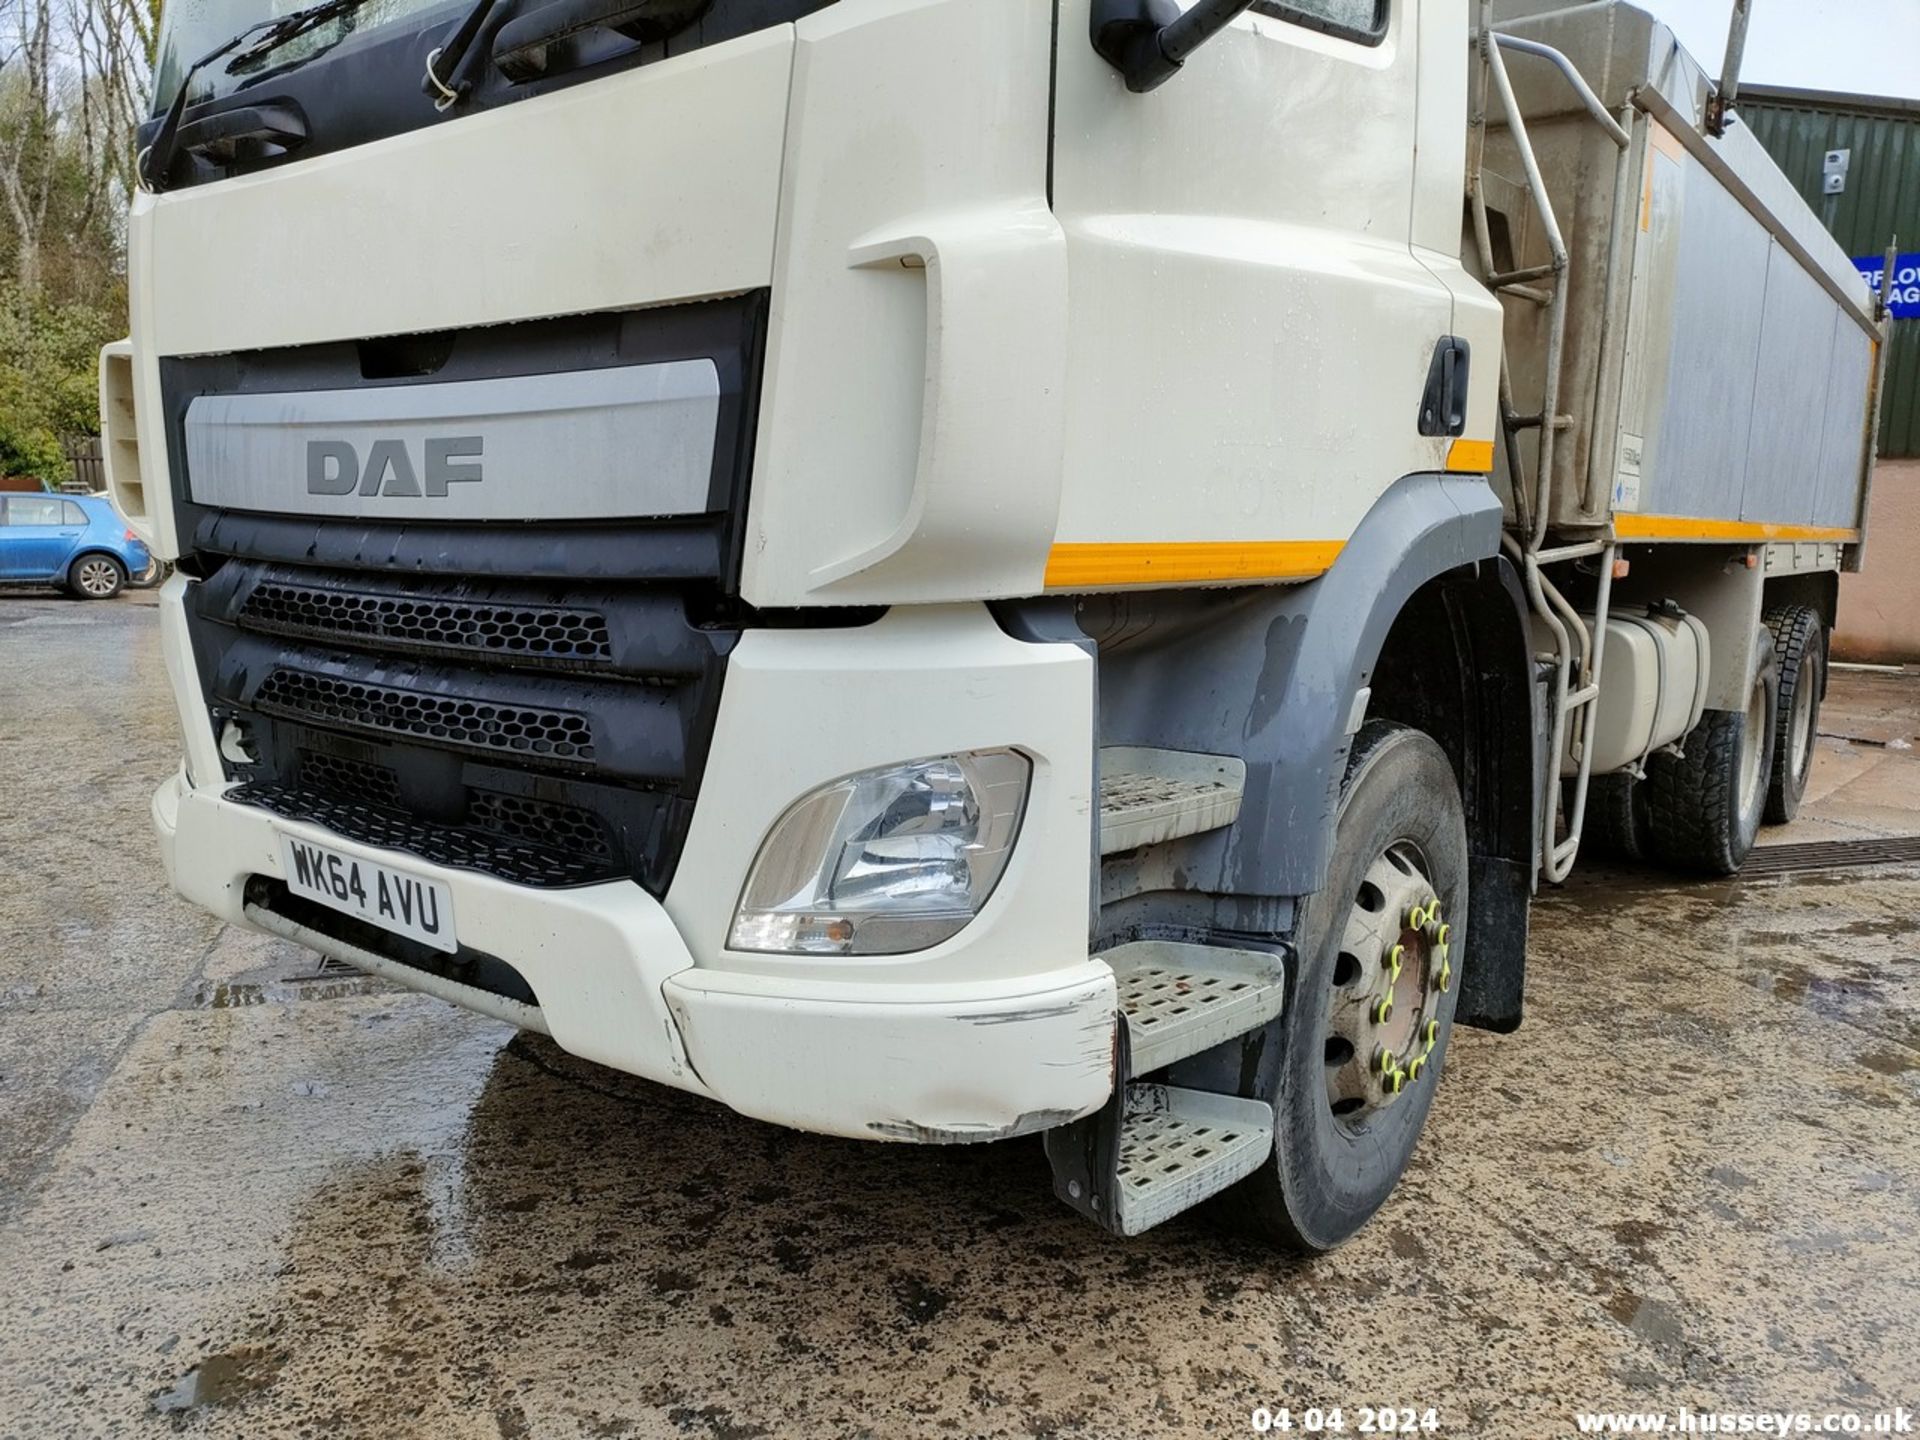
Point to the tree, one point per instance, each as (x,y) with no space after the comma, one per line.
(72,77)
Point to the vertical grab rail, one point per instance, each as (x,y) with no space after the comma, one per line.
(1576,651)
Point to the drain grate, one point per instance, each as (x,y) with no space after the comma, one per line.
(1830,855)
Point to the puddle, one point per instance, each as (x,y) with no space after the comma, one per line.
(273,986)
(1890,1062)
(1654,1321)
(220,1380)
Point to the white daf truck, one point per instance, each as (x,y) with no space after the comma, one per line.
(937,570)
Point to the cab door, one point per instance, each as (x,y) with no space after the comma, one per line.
(35,538)
(1251,329)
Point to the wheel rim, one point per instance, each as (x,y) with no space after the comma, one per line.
(1393,966)
(97,577)
(1753,742)
(1800,726)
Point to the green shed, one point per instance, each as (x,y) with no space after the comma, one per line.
(1873,145)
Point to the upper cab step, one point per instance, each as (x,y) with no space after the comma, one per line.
(1151,796)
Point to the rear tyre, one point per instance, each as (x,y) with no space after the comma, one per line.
(1616,822)
(1354,1082)
(1800,657)
(96,577)
(1704,806)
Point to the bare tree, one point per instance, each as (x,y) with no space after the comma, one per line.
(71,76)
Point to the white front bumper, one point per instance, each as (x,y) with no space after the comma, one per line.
(1005,1029)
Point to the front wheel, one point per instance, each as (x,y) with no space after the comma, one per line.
(1374,991)
(96,577)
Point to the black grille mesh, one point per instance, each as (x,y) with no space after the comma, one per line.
(348,779)
(541,822)
(461,849)
(549,823)
(524,730)
(534,633)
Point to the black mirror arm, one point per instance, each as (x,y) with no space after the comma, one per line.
(1148,40)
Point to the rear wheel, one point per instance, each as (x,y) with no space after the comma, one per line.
(1616,821)
(1373,998)
(1800,656)
(1704,806)
(96,577)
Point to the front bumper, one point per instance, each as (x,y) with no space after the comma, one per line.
(1006,1029)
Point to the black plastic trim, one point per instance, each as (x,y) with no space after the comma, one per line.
(1443,404)
(368,86)
(1296,14)
(730,332)
(470,967)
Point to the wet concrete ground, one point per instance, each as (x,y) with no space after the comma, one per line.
(243,1197)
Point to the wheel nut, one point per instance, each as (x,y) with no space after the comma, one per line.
(1394,957)
(1385,1061)
(1383,1012)
(1415,1066)
(1395,1081)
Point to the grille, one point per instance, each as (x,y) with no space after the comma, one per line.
(351,779)
(461,849)
(548,823)
(531,633)
(541,822)
(1829,855)
(387,710)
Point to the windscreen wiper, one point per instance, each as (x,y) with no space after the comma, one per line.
(442,83)
(156,161)
(520,48)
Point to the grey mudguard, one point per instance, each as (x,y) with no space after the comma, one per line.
(1271,675)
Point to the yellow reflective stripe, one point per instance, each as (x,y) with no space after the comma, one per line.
(1689,527)
(1471,457)
(1175,562)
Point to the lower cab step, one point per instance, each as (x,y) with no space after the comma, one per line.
(1179,1147)
(1156,1149)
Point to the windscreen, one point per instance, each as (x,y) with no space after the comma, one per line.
(190,28)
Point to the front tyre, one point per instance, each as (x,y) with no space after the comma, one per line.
(1373,998)
(96,577)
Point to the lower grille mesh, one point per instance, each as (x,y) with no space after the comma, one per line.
(387,710)
(462,849)
(541,822)
(551,824)
(348,779)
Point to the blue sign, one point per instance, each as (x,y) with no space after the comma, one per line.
(1906,282)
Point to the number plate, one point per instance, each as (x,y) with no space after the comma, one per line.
(408,905)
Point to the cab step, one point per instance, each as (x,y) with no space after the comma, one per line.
(1179,1147)
(1151,796)
(1181,999)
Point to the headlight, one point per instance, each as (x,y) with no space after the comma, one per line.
(885,862)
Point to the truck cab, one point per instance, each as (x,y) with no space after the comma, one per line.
(866,560)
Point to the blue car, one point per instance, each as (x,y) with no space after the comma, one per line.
(72,541)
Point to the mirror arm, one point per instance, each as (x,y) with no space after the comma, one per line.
(1148,40)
